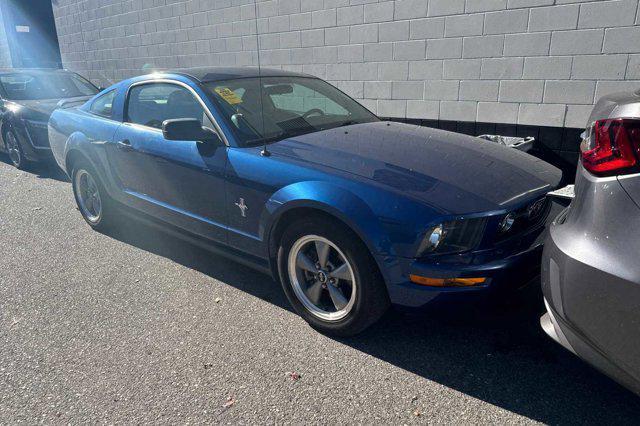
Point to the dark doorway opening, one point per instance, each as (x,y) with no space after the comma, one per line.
(31,33)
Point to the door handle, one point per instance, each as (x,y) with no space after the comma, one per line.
(125,144)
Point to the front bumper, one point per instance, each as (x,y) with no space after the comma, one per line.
(508,266)
(504,272)
(33,140)
(509,273)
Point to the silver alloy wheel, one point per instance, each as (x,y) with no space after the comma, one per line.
(89,199)
(14,149)
(322,278)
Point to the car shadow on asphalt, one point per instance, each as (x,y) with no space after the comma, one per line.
(492,351)
(43,170)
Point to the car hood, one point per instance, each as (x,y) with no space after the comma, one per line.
(455,173)
(41,109)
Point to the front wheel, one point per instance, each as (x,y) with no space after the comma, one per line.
(330,278)
(16,155)
(93,201)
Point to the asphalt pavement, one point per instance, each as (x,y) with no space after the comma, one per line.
(138,327)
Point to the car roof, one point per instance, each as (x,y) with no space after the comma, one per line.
(208,74)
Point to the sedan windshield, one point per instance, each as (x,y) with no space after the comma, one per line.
(22,86)
(268,109)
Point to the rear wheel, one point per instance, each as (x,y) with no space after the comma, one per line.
(93,201)
(16,155)
(330,278)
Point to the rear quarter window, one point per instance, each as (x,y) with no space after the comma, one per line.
(103,105)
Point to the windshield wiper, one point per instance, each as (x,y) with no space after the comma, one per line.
(291,134)
(349,123)
(275,138)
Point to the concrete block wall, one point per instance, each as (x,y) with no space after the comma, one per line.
(519,62)
(5,55)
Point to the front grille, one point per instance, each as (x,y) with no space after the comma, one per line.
(527,218)
(38,133)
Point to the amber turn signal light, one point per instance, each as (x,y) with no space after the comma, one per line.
(446,282)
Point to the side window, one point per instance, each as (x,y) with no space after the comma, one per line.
(103,105)
(300,99)
(151,104)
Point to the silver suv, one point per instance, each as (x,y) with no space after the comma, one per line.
(591,260)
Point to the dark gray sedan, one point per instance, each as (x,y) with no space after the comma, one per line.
(591,267)
(27,98)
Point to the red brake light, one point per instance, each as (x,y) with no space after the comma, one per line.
(613,148)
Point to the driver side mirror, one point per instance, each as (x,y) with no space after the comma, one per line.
(188,129)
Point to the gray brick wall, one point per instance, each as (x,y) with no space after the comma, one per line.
(5,56)
(533,62)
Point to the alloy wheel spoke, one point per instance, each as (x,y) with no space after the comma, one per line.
(303,262)
(14,155)
(314,292)
(89,204)
(96,204)
(13,150)
(322,249)
(341,272)
(338,299)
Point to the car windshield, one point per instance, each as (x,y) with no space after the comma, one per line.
(39,85)
(268,109)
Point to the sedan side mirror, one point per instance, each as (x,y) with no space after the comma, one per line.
(188,129)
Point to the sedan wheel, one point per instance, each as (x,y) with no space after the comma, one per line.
(13,147)
(329,276)
(322,278)
(89,200)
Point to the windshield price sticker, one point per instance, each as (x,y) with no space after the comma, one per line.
(228,95)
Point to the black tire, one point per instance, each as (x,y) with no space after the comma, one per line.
(371,298)
(18,159)
(107,216)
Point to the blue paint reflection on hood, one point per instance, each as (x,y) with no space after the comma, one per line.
(454,172)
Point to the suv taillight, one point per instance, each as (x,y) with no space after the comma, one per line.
(613,147)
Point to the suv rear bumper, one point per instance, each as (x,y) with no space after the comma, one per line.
(559,268)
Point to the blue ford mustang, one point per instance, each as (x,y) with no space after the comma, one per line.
(285,173)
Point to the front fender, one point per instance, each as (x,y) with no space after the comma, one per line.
(334,200)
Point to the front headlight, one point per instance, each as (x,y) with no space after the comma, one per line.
(453,236)
(506,223)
